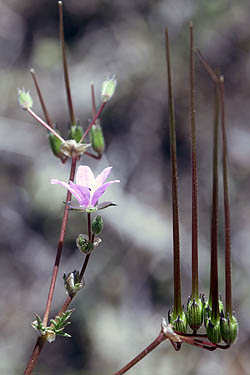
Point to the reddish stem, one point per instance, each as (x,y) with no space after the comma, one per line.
(228,280)
(195,286)
(93,100)
(93,121)
(214,294)
(65,66)
(43,123)
(140,356)
(176,241)
(39,93)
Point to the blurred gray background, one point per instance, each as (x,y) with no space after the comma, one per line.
(129,278)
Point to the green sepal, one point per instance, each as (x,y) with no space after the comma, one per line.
(76,133)
(195,311)
(97,138)
(213,331)
(97,225)
(229,329)
(55,145)
(178,321)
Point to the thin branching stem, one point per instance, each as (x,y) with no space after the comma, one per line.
(140,356)
(195,271)
(65,66)
(43,123)
(39,93)
(207,67)
(60,245)
(176,241)
(93,121)
(93,100)
(214,295)
(228,282)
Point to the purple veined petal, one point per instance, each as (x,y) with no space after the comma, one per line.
(71,188)
(101,191)
(67,186)
(102,177)
(84,176)
(82,192)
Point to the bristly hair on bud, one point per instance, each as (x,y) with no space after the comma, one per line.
(178,321)
(108,88)
(24,99)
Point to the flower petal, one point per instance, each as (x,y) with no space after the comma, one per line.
(81,194)
(102,177)
(84,176)
(100,191)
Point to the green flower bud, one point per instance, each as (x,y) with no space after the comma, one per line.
(75,133)
(195,313)
(25,100)
(213,331)
(179,322)
(86,246)
(229,329)
(72,282)
(55,145)
(97,138)
(97,225)
(108,88)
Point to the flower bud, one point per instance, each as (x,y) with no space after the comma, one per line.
(108,88)
(97,138)
(72,282)
(50,335)
(76,133)
(97,225)
(195,313)
(179,322)
(25,100)
(213,331)
(86,246)
(229,329)
(55,145)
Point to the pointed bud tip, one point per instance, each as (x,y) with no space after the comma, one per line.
(108,88)
(24,99)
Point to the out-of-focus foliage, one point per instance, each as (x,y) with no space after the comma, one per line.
(129,279)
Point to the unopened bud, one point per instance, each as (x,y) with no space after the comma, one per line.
(179,322)
(86,246)
(108,88)
(75,133)
(97,138)
(97,225)
(25,100)
(229,329)
(55,145)
(72,282)
(213,331)
(195,313)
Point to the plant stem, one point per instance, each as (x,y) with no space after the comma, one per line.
(176,242)
(214,295)
(43,123)
(228,285)
(60,245)
(207,67)
(195,271)
(65,66)
(93,121)
(93,100)
(140,356)
(39,93)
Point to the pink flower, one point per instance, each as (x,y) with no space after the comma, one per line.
(88,189)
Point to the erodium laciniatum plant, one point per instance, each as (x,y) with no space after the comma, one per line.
(84,191)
